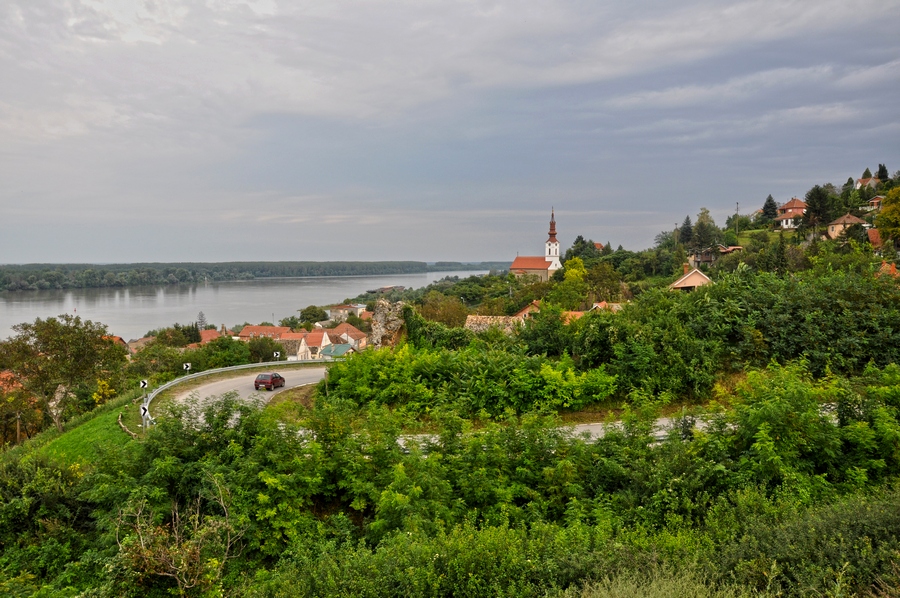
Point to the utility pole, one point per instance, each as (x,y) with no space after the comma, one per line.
(737,215)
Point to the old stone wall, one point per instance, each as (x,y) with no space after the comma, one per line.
(387,323)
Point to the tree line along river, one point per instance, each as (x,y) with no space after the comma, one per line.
(132,311)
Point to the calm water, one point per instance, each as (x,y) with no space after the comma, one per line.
(131,312)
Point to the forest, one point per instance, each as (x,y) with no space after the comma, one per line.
(446,466)
(31,277)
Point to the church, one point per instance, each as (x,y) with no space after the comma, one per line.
(544,266)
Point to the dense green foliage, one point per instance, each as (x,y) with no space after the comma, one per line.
(236,501)
(477,380)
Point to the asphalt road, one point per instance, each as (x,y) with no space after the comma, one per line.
(243,385)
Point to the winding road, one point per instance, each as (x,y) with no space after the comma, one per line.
(243,385)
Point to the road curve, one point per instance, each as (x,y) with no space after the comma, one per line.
(243,385)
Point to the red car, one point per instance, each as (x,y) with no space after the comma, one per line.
(268,381)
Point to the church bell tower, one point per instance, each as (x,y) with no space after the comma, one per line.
(551,247)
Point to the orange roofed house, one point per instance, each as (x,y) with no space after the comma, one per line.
(541,266)
(789,213)
(274,332)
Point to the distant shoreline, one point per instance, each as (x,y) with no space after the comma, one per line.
(38,277)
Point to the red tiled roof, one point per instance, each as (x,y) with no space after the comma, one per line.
(350,330)
(316,338)
(365,315)
(270,331)
(848,219)
(117,340)
(794,203)
(599,246)
(207,336)
(528,262)
(866,181)
(293,336)
(528,309)
(569,316)
(889,269)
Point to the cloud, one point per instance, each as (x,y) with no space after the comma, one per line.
(732,90)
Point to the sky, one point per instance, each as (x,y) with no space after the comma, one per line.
(227,130)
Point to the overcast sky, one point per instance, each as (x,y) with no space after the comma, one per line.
(216,130)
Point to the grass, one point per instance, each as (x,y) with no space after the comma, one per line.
(81,444)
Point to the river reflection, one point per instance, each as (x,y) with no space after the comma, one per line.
(131,312)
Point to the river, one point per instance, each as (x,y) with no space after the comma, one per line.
(131,312)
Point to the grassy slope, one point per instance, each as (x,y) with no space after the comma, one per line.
(80,443)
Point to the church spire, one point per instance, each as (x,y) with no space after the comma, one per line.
(552,238)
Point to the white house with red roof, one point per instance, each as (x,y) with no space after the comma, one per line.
(790,213)
(541,266)
(350,335)
(312,344)
(867,182)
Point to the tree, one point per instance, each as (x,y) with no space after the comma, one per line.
(201,321)
(292,322)
(438,307)
(819,208)
(575,270)
(55,357)
(582,248)
(686,232)
(313,314)
(769,210)
(888,219)
(604,283)
(882,173)
(263,348)
(867,174)
(705,230)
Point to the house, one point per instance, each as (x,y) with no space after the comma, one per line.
(351,335)
(336,351)
(837,227)
(312,344)
(691,280)
(339,313)
(291,343)
(274,332)
(525,312)
(874,203)
(613,307)
(570,316)
(136,345)
(888,270)
(366,315)
(117,340)
(867,182)
(544,266)
(703,256)
(505,324)
(208,336)
(789,213)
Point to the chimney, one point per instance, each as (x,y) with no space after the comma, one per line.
(686,268)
